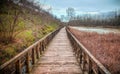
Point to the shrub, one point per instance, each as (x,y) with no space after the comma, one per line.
(10,51)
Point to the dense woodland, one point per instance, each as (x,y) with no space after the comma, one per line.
(22,22)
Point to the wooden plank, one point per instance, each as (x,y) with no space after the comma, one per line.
(59,57)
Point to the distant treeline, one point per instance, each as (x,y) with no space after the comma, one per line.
(91,21)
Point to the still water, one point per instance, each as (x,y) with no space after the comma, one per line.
(98,30)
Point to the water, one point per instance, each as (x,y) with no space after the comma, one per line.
(98,30)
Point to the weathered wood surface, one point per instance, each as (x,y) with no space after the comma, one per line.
(58,57)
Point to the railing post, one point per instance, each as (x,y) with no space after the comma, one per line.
(33,55)
(83,62)
(40,48)
(77,52)
(97,70)
(28,63)
(89,66)
(38,51)
(80,56)
(18,67)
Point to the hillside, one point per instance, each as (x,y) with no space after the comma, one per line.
(21,26)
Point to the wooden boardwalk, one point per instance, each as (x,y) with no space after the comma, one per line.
(58,57)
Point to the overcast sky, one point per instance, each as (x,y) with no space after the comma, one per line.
(81,6)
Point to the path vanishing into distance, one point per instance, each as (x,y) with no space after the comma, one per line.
(58,58)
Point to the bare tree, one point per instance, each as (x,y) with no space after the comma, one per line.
(70,13)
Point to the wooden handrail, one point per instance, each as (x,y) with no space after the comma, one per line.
(88,63)
(24,61)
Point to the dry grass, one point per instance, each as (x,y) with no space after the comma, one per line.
(105,47)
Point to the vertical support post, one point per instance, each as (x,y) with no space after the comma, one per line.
(33,55)
(18,67)
(28,63)
(43,46)
(97,70)
(45,43)
(40,48)
(38,51)
(84,61)
(89,66)
(80,56)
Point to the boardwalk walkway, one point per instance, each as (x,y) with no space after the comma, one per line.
(58,57)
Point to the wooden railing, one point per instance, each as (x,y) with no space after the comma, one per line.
(24,61)
(88,63)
